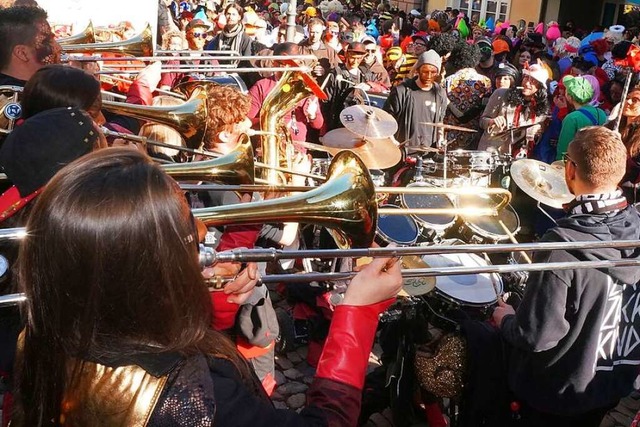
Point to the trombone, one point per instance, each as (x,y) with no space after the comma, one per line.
(263,255)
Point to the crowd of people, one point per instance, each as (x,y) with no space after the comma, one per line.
(122,326)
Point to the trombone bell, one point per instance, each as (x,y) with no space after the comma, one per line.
(85,37)
(345,205)
(235,168)
(140,45)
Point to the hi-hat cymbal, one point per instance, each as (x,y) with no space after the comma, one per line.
(544,183)
(376,153)
(368,121)
(419,285)
(448,127)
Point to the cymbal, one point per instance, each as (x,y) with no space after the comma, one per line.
(544,183)
(376,153)
(368,121)
(449,127)
(558,164)
(418,285)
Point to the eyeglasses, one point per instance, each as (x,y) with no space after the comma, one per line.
(196,35)
(371,50)
(566,158)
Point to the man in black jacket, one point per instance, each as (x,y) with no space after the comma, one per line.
(418,100)
(575,337)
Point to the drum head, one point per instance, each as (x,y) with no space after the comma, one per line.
(423,201)
(489,226)
(481,289)
(400,229)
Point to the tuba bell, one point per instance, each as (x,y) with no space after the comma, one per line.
(293,87)
(345,205)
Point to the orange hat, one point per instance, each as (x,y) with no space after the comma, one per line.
(500,46)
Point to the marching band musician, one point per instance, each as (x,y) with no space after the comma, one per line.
(573,338)
(418,100)
(514,108)
(305,115)
(118,324)
(28,44)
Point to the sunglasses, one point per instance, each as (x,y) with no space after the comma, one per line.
(566,158)
(371,50)
(199,35)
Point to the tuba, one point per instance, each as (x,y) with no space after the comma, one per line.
(293,87)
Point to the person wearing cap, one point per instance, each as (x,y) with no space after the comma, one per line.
(501,49)
(419,100)
(579,93)
(372,65)
(344,79)
(507,76)
(514,108)
(196,33)
(232,37)
(390,61)
(326,55)
(488,65)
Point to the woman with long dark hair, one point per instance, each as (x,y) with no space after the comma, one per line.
(118,317)
(630,131)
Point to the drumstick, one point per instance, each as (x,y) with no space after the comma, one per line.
(513,240)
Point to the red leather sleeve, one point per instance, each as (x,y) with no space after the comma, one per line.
(346,352)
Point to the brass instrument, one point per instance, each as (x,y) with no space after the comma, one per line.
(88,35)
(10,109)
(292,88)
(189,118)
(140,45)
(345,205)
(236,167)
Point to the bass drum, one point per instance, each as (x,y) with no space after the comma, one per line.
(485,229)
(432,226)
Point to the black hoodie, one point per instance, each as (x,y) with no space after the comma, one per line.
(576,335)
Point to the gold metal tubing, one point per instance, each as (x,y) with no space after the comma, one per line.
(345,205)
(202,55)
(165,92)
(139,45)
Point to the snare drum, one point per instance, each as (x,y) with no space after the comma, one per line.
(486,229)
(399,229)
(475,161)
(431,225)
(474,294)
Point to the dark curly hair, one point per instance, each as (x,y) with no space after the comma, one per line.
(443,43)
(539,102)
(463,55)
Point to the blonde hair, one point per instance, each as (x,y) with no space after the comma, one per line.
(163,133)
(166,38)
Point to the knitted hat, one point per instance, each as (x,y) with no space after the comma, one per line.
(578,88)
(538,73)
(46,142)
(506,69)
(429,57)
(484,41)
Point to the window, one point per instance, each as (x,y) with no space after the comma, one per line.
(478,10)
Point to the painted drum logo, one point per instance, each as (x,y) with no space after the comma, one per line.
(13,111)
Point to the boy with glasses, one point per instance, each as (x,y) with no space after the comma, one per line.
(372,65)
